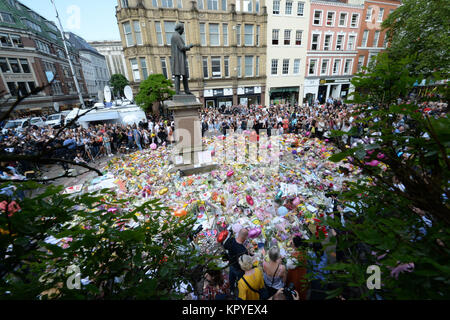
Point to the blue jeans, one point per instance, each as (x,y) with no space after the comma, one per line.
(235,276)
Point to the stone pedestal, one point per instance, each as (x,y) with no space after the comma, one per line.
(188,135)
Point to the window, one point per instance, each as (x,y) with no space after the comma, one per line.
(213,4)
(52,35)
(347,66)
(247,6)
(276,7)
(376,38)
(327,42)
(248,34)
(144,68)
(287,37)
(56,87)
(6,17)
(258,31)
(128,34)
(296,66)
(239,69)
(336,66)
(285,66)
(315,41)
(354,22)
(137,32)
(224,5)
(324,67)
(298,37)
(5,40)
(31,85)
(257,67)
(169,28)
(25,65)
(249,66)
(275,34)
(360,63)
(330,18)
(124,3)
(312,67)
(214,36)
(12,88)
(14,63)
(343,19)
(288,9)
(135,70)
(351,43)
(225,34)
(4,66)
(200,4)
(317,18)
(364,38)
(380,15)
(386,41)
(274,67)
(60,53)
(205,67)
(257,6)
(155,3)
(202,34)
(180,4)
(238,34)
(371,58)
(369,14)
(167,3)
(300,8)
(340,42)
(238,5)
(23,88)
(226,66)
(215,64)
(17,41)
(159,33)
(164,67)
(30,24)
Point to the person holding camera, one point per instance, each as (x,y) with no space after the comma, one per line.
(274,272)
(285,294)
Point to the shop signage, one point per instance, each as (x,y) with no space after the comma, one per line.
(248,90)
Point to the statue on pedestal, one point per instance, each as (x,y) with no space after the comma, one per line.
(179,59)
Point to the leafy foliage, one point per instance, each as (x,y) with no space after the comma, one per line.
(155,89)
(123,252)
(118,82)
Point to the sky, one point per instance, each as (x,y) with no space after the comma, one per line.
(93,20)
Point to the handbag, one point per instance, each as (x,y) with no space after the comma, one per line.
(263,293)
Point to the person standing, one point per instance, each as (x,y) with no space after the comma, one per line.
(252,281)
(236,248)
(274,272)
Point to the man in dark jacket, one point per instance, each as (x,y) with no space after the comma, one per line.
(236,248)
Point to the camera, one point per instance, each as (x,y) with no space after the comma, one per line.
(289,291)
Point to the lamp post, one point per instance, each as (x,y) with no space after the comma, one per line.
(80,96)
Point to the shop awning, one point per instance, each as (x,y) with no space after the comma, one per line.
(284,90)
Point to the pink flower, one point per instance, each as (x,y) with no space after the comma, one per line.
(13,207)
(3,205)
(372,163)
(406,267)
(370,151)
(381,156)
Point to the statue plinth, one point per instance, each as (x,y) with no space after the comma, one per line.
(187,154)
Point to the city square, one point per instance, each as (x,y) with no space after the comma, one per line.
(244,150)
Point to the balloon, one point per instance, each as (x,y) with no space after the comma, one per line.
(280,193)
(282,211)
(296,201)
(254,233)
(222,236)
(294,151)
(163,191)
(250,200)
(230,173)
(381,156)
(180,213)
(153,146)
(372,163)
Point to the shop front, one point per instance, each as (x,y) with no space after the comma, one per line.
(249,95)
(311,90)
(284,95)
(218,98)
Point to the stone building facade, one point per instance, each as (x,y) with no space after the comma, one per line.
(227,66)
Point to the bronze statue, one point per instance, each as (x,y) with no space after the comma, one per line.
(179,59)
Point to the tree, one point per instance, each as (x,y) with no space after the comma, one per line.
(155,89)
(419,29)
(400,210)
(121,250)
(118,82)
